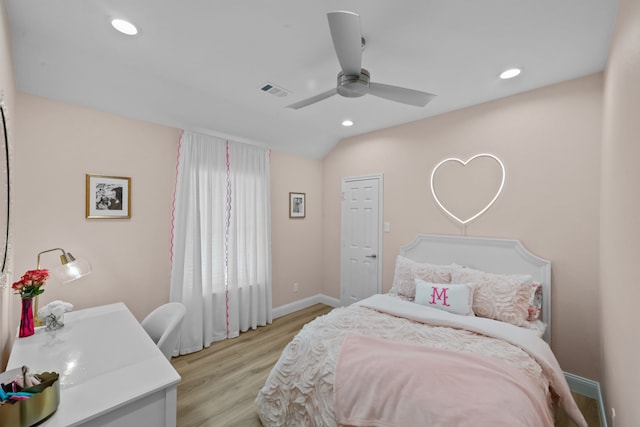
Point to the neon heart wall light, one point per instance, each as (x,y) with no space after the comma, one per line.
(464,222)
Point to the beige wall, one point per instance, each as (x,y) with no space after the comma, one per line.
(296,243)
(549,141)
(59,143)
(620,228)
(7,87)
(56,145)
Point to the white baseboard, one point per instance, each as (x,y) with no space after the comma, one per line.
(590,389)
(283,310)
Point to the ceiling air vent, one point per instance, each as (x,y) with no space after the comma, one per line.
(274,90)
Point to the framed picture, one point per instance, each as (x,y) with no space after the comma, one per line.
(108,196)
(297,205)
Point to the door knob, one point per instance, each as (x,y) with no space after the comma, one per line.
(372,256)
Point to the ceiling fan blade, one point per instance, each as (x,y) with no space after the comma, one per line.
(313,99)
(400,94)
(347,40)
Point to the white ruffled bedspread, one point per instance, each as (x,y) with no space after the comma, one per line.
(299,389)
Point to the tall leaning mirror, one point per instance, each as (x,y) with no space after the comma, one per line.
(5,193)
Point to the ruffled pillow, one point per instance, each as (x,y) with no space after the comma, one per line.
(498,296)
(408,270)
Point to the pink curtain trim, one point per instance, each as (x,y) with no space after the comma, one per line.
(226,238)
(173,203)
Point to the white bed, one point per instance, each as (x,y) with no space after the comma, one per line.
(495,255)
(377,361)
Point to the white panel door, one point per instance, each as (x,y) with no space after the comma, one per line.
(360,262)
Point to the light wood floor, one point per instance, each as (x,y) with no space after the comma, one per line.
(219,384)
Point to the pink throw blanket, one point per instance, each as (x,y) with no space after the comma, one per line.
(520,337)
(380,383)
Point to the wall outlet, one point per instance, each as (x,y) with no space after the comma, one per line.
(296,287)
(613,417)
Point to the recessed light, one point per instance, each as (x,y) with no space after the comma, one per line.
(125,27)
(347,123)
(510,73)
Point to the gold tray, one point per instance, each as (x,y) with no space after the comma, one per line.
(26,413)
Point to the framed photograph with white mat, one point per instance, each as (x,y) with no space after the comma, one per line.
(108,196)
(297,205)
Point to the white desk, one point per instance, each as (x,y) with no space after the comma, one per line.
(111,373)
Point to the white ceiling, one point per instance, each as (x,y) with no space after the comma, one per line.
(198,65)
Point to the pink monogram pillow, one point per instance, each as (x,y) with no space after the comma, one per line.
(498,296)
(456,299)
(407,270)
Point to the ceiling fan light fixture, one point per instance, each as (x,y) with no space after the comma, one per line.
(125,27)
(347,123)
(354,81)
(510,73)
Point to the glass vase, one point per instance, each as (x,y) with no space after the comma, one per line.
(27,327)
(53,321)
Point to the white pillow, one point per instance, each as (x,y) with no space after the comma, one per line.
(456,299)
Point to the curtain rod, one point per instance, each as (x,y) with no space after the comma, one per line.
(229,137)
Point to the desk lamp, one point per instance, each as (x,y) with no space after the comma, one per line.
(71,269)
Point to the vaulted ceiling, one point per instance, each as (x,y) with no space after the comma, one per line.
(200,65)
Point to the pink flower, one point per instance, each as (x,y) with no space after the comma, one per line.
(31,283)
(36,276)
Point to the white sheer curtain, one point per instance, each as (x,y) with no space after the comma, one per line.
(221,256)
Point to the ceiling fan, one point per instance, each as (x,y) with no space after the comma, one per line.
(353,80)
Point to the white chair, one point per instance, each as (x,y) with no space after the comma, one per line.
(163,326)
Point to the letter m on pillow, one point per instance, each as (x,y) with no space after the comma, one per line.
(439,296)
